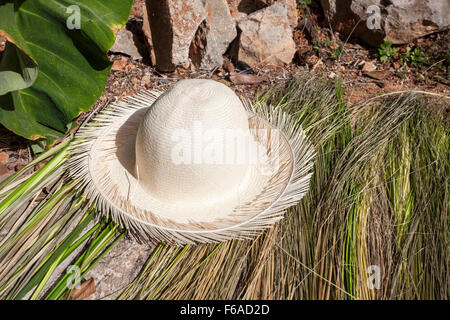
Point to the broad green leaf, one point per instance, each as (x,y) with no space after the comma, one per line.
(71,65)
(17,70)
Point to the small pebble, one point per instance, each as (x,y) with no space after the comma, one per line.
(368,67)
(4,157)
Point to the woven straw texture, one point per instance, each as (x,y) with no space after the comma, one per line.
(123,161)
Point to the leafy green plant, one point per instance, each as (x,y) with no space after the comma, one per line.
(412,56)
(387,52)
(51,71)
(415,57)
(317,45)
(334,51)
(302,5)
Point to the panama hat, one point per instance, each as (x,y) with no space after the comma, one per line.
(192,164)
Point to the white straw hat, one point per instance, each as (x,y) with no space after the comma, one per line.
(192,164)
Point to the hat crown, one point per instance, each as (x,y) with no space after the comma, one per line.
(188,143)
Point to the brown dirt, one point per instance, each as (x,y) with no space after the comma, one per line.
(14,153)
(137,11)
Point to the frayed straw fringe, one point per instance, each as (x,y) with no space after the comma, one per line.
(264,211)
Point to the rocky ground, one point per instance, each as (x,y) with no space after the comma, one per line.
(316,47)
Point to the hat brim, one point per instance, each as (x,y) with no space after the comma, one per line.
(102,162)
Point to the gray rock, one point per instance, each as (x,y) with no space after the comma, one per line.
(200,31)
(266,37)
(172,25)
(291,6)
(241,8)
(213,36)
(118,268)
(401,21)
(125,44)
(113,272)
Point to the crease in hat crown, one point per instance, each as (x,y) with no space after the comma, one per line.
(123,160)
